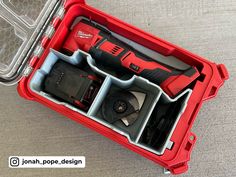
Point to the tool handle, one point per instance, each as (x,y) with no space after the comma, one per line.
(156,76)
(147,68)
(170,79)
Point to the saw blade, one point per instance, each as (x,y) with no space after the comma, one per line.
(124,106)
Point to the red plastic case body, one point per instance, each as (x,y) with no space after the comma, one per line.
(206,87)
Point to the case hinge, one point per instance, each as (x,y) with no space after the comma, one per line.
(28,71)
(60,13)
(50,31)
(38,51)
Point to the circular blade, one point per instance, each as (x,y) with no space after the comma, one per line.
(119,105)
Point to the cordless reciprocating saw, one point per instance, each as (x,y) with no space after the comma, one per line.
(110,51)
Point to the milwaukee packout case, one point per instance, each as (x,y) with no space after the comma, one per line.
(32,35)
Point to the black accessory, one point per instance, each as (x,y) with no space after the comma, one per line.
(122,105)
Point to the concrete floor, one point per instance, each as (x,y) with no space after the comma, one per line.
(205,27)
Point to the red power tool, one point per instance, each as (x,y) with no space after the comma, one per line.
(110,51)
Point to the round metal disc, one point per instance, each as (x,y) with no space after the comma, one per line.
(119,105)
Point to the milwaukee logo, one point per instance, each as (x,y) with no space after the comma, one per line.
(82,34)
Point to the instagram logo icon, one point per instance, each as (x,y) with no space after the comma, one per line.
(14,162)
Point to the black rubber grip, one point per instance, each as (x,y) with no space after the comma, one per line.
(157,76)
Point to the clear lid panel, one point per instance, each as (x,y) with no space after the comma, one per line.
(27,10)
(9,44)
(21,23)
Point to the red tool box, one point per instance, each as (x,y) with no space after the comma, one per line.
(71,35)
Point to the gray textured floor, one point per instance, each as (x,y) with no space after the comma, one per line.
(205,27)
